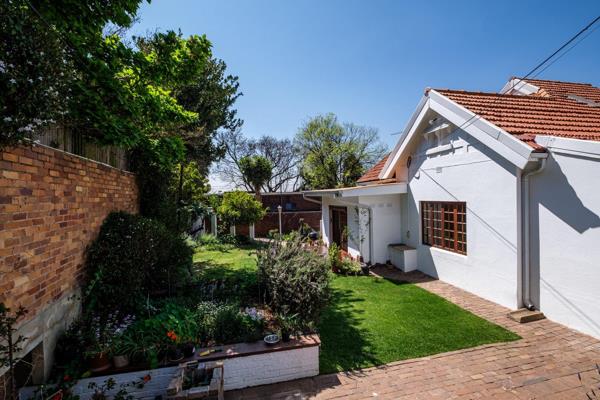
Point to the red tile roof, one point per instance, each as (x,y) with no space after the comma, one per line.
(563,89)
(373,174)
(550,113)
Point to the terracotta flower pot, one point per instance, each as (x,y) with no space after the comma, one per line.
(99,362)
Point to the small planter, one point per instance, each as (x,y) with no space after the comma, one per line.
(188,350)
(120,361)
(175,355)
(285,335)
(99,362)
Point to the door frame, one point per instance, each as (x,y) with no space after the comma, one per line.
(340,237)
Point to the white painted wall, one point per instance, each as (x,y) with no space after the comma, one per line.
(239,372)
(565,207)
(386,220)
(468,171)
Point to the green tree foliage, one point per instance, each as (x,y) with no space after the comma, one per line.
(336,154)
(211,96)
(257,171)
(280,152)
(116,93)
(241,208)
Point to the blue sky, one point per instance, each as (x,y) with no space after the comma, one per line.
(369,61)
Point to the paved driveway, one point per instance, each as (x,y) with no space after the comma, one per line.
(545,364)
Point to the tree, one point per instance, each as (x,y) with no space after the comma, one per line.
(256,171)
(335,154)
(88,79)
(282,155)
(240,208)
(211,95)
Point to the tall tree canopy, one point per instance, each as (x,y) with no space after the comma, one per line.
(58,55)
(335,154)
(284,159)
(257,171)
(162,96)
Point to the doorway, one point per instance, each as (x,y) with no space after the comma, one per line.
(339,222)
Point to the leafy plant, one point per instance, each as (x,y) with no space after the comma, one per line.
(295,280)
(334,257)
(224,323)
(349,267)
(9,345)
(241,208)
(132,258)
(256,171)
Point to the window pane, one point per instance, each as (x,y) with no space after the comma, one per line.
(444,225)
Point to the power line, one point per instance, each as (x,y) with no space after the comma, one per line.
(476,117)
(548,59)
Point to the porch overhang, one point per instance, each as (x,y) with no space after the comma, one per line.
(366,190)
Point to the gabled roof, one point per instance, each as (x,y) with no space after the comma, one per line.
(373,174)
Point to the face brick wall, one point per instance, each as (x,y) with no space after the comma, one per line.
(51,206)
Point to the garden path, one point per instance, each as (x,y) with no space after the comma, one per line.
(543,365)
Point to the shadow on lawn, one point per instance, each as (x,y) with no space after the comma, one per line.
(344,345)
(223,282)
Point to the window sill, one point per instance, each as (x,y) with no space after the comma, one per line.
(444,251)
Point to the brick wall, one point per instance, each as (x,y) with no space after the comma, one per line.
(51,206)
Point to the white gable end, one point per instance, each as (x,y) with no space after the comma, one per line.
(506,145)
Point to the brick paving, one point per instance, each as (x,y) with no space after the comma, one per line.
(544,364)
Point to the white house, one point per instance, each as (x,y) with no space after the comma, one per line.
(496,193)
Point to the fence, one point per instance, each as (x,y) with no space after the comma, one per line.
(63,138)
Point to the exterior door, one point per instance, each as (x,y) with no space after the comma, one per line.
(339,221)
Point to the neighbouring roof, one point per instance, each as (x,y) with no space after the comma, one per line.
(557,109)
(564,89)
(373,174)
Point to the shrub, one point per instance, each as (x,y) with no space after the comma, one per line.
(349,267)
(295,280)
(225,323)
(241,208)
(334,259)
(132,258)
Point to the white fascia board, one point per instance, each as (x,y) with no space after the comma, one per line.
(502,142)
(375,190)
(521,87)
(388,168)
(575,147)
(321,193)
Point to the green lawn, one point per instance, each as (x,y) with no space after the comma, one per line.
(235,265)
(373,321)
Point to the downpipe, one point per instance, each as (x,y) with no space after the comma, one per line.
(526,234)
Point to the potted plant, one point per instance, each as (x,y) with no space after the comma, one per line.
(120,352)
(98,359)
(188,349)
(288,325)
(174,352)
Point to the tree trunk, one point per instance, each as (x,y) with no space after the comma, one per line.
(179,196)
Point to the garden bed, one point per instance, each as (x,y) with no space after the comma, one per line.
(244,365)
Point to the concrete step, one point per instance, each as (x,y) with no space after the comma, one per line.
(524,315)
